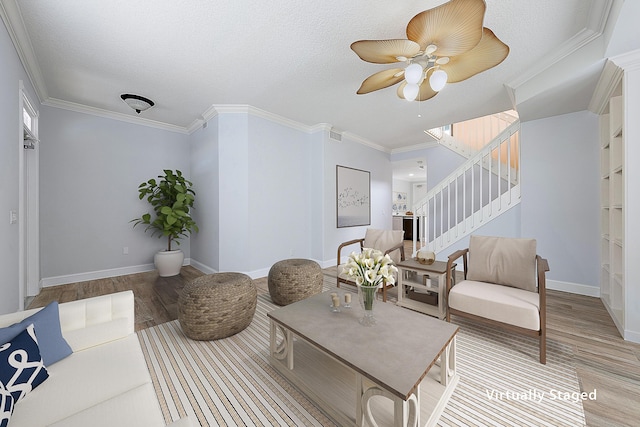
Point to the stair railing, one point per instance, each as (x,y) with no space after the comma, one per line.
(481,189)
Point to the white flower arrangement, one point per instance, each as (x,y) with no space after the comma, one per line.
(370,268)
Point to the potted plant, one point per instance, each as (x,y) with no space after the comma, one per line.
(171,198)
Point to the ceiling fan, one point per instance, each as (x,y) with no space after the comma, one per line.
(446,44)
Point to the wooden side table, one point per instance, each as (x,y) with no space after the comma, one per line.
(437,270)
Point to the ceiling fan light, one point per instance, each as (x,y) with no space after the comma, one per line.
(413,74)
(410,92)
(438,80)
(137,102)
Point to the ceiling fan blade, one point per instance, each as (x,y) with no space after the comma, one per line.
(385,51)
(490,52)
(454,27)
(381,80)
(425,92)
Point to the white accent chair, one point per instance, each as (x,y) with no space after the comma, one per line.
(504,286)
(389,242)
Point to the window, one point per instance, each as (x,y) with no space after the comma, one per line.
(29,123)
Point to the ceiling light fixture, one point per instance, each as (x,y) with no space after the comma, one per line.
(137,102)
(446,44)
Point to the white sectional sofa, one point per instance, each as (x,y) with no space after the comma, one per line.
(105,382)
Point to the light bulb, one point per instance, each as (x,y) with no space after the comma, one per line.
(413,74)
(410,92)
(437,80)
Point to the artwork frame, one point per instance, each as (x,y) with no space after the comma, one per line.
(353,197)
(399,203)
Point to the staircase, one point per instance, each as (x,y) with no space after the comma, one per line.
(483,188)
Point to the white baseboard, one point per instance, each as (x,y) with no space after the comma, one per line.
(632,336)
(574,288)
(203,267)
(101,274)
(254,274)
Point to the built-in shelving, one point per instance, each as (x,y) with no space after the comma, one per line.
(612,185)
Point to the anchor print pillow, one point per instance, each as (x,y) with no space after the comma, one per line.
(21,365)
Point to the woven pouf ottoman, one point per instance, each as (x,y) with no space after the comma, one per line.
(217,305)
(292,280)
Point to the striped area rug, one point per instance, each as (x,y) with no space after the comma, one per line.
(230,382)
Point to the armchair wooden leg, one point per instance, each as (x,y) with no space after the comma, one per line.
(543,347)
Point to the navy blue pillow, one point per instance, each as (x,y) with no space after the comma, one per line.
(6,406)
(21,366)
(53,346)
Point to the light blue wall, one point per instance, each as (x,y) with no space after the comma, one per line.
(11,72)
(90,169)
(357,156)
(205,174)
(280,194)
(560,194)
(276,193)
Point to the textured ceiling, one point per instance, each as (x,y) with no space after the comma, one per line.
(292,58)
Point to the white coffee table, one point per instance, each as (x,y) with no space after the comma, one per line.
(399,372)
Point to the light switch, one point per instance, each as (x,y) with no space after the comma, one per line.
(13,217)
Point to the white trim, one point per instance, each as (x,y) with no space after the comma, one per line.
(79,108)
(94,275)
(21,200)
(202,267)
(574,288)
(360,140)
(628,61)
(12,18)
(609,78)
(100,274)
(421,146)
(633,336)
(598,15)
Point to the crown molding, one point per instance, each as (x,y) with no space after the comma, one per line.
(79,108)
(416,147)
(217,109)
(607,83)
(629,61)
(598,15)
(12,18)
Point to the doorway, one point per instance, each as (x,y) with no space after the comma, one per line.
(28,209)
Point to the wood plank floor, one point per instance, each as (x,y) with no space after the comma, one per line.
(603,360)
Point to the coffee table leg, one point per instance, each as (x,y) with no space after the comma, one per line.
(406,413)
(284,349)
(448,363)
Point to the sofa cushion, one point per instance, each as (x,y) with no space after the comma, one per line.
(133,408)
(21,365)
(46,321)
(101,333)
(503,261)
(84,379)
(501,303)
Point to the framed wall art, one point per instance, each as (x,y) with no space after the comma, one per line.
(399,203)
(353,197)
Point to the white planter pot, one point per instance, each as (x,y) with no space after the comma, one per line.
(169,263)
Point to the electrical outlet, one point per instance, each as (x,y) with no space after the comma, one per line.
(125,250)
(13,217)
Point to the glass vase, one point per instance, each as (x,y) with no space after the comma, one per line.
(367,296)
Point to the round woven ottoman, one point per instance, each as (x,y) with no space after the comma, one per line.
(292,280)
(217,305)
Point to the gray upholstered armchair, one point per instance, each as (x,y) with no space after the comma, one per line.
(504,285)
(387,241)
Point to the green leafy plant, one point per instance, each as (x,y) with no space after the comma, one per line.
(172,198)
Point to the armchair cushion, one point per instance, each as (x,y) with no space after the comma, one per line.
(500,303)
(503,261)
(383,240)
